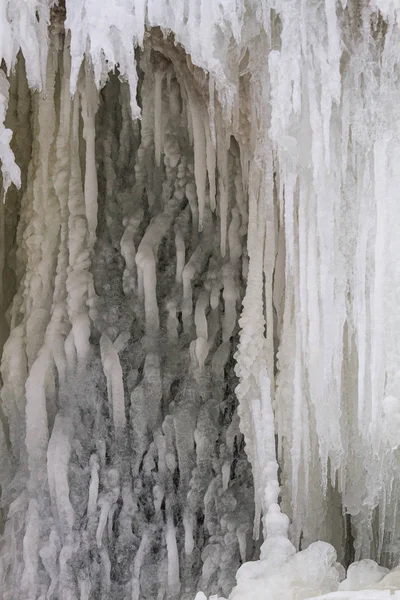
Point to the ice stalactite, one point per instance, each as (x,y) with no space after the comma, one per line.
(10,171)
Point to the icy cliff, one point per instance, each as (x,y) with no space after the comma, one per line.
(199,298)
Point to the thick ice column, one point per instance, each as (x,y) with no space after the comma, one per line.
(41,254)
(82,205)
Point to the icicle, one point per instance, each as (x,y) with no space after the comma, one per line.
(137,564)
(192,199)
(10,171)
(211,108)
(230,296)
(129,254)
(174,583)
(201,343)
(191,268)
(79,260)
(146,263)
(115,386)
(58,457)
(180,256)
(200,156)
(235,245)
(37,433)
(140,18)
(31,547)
(188,524)
(106,501)
(200,317)
(377,345)
(93,487)
(211,166)
(158,135)
(89,108)
(49,556)
(223,192)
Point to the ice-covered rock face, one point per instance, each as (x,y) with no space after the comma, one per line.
(127,478)
(263,180)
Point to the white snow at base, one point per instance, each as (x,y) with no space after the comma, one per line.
(280,130)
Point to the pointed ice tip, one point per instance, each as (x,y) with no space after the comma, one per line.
(136,112)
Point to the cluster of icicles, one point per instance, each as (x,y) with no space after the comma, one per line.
(126,475)
(262,180)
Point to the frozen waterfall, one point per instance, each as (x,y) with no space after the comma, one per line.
(199,299)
